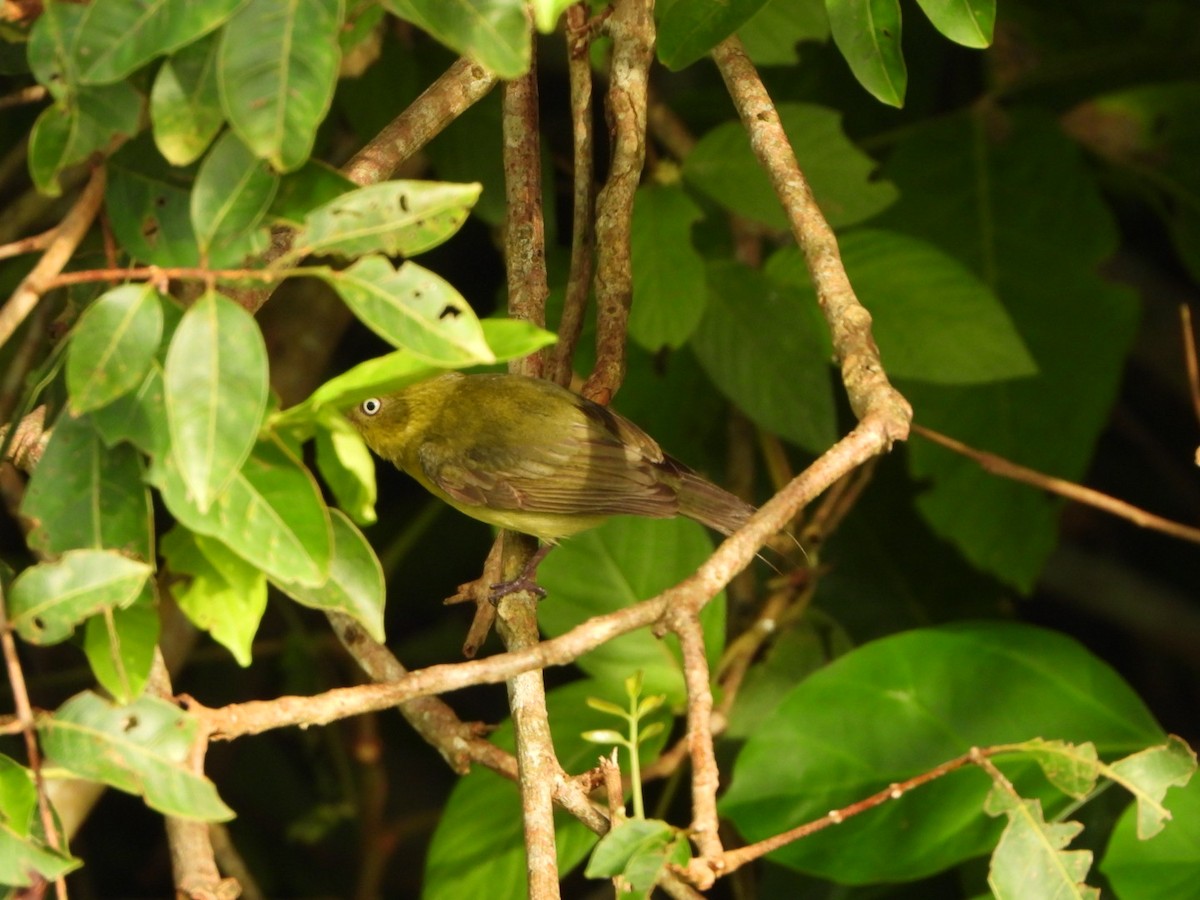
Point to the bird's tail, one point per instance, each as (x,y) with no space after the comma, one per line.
(710,505)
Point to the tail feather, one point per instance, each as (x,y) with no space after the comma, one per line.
(710,505)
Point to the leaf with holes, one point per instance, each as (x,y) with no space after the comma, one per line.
(394,218)
(143,748)
(413,308)
(49,599)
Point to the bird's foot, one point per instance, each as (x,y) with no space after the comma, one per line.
(524,582)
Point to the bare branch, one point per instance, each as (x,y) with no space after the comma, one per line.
(632,29)
(66,239)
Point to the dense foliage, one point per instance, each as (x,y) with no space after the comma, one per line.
(1015,192)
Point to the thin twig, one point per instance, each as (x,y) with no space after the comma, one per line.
(452,94)
(998,465)
(706,777)
(1188,333)
(863,374)
(20,692)
(735,859)
(66,239)
(193,861)
(631,27)
(34,93)
(583,238)
(31,244)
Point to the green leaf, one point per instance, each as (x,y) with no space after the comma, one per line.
(24,851)
(689,29)
(1029,860)
(346,465)
(51,52)
(547,12)
(620,849)
(760,343)
(723,166)
(413,308)
(150,210)
(492,32)
(18,796)
(117,37)
(113,346)
(270,513)
(120,645)
(867,32)
(771,35)
(185,105)
(668,272)
(215,384)
(1148,774)
(313,184)
(1022,212)
(86,496)
(139,417)
(393,217)
(276,70)
(71,130)
(222,593)
(48,600)
(231,196)
(478,842)
(933,318)
(897,707)
(142,748)
(966,22)
(623,561)
(355,585)
(1164,868)
(1072,768)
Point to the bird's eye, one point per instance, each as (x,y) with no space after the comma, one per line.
(371,406)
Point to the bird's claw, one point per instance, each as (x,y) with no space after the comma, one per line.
(502,589)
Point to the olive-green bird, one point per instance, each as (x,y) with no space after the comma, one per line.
(525,454)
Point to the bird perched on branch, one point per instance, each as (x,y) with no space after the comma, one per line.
(525,454)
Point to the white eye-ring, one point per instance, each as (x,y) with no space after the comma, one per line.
(371,406)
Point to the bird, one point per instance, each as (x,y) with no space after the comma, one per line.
(528,455)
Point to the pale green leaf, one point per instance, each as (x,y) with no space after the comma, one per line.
(70,130)
(276,70)
(215,384)
(220,593)
(185,105)
(392,217)
(270,513)
(117,37)
(1029,860)
(413,308)
(346,465)
(113,345)
(355,585)
(1147,775)
(143,748)
(120,646)
(492,32)
(49,599)
(232,193)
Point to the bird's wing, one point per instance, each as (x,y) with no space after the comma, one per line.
(600,464)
